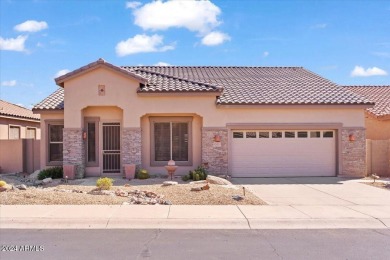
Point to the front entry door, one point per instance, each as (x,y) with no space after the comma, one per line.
(111,148)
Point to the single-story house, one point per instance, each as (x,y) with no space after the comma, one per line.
(377,117)
(377,121)
(241,121)
(17,122)
(19,139)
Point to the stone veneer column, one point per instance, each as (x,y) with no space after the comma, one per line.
(131,146)
(353,153)
(215,153)
(74,150)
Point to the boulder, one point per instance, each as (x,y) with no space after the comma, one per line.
(216,180)
(199,182)
(47,180)
(21,187)
(169,183)
(3,189)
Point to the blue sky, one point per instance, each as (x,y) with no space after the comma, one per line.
(347,42)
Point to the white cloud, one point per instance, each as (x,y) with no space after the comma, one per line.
(13,44)
(361,72)
(31,26)
(61,72)
(9,83)
(265,54)
(319,26)
(215,38)
(142,43)
(161,63)
(198,16)
(133,5)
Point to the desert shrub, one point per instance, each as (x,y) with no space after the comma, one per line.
(54,173)
(104,183)
(199,173)
(143,174)
(2,183)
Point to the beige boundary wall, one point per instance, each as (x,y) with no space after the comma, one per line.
(378,157)
(21,155)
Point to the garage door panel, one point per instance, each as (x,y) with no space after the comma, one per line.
(277,157)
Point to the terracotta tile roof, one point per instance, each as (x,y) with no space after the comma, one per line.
(158,82)
(258,85)
(53,102)
(378,94)
(232,85)
(93,65)
(12,110)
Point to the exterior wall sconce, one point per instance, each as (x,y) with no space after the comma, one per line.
(217,138)
(351,137)
(84,135)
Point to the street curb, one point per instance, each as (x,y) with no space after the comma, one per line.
(103,223)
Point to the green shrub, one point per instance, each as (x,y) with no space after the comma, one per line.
(2,183)
(197,178)
(104,183)
(185,177)
(54,173)
(143,174)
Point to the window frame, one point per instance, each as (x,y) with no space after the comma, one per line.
(174,119)
(35,132)
(96,121)
(9,132)
(47,128)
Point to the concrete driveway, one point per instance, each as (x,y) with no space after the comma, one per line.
(321,197)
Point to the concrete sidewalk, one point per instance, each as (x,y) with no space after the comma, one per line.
(193,217)
(293,203)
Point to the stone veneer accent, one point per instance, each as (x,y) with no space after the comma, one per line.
(353,153)
(131,146)
(215,153)
(74,150)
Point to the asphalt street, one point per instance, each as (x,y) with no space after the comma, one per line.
(195,244)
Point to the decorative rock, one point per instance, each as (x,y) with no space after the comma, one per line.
(2,189)
(216,180)
(198,182)
(38,182)
(237,197)
(21,187)
(47,180)
(169,183)
(121,193)
(14,188)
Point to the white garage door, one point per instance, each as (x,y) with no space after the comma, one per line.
(283,153)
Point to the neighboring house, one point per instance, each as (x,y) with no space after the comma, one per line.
(377,121)
(242,121)
(19,138)
(17,122)
(378,117)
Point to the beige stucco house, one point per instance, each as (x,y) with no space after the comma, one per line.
(19,139)
(377,121)
(242,121)
(377,118)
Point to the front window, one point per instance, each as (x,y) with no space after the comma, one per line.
(14,132)
(171,141)
(55,142)
(30,133)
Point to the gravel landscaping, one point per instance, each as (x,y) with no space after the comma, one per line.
(81,192)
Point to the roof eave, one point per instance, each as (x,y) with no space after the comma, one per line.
(94,65)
